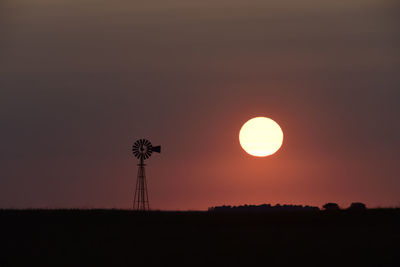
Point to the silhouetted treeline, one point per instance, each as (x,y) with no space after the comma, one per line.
(355,206)
(263,208)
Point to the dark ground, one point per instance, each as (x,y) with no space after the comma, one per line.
(125,238)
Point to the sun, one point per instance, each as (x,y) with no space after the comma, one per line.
(261,137)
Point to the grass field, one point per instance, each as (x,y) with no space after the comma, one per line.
(127,238)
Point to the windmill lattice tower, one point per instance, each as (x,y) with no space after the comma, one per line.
(142,149)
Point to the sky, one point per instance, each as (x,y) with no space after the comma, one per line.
(80,81)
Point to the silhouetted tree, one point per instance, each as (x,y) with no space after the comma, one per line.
(331,206)
(357,206)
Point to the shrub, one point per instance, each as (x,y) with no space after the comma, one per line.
(331,206)
(357,206)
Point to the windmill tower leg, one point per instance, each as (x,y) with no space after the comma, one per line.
(141,198)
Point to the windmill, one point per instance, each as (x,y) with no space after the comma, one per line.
(142,149)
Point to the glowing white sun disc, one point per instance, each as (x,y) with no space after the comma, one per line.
(261,137)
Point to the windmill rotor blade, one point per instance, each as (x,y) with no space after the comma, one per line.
(147,143)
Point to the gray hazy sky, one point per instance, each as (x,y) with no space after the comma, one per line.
(81,80)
